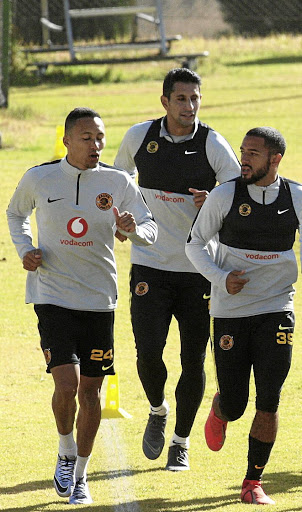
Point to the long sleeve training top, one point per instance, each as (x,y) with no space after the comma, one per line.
(76,226)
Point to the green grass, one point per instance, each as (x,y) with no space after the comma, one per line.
(246,83)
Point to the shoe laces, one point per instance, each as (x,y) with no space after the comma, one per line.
(80,489)
(156,422)
(66,468)
(181,454)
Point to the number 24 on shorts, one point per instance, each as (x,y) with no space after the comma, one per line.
(98,355)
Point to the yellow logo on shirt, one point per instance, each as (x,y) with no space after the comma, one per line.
(245,209)
(152,146)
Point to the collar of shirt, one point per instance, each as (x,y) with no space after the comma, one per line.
(176,138)
(74,171)
(265,195)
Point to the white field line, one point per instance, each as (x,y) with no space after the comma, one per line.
(122,492)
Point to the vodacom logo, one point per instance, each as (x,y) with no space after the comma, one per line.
(77,227)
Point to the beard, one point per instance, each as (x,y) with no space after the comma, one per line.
(257,175)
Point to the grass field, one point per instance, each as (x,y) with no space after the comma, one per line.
(246,83)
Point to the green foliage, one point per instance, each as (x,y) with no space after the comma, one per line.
(263,17)
(246,83)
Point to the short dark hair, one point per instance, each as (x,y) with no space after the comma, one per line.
(272,138)
(179,75)
(79,113)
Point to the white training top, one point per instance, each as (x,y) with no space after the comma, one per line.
(76,227)
(173,212)
(271,274)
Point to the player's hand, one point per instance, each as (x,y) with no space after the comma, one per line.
(199,196)
(119,236)
(32,260)
(235,283)
(124,220)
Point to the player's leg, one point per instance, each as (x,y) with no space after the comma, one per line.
(89,415)
(272,350)
(58,343)
(191,309)
(230,347)
(96,352)
(151,316)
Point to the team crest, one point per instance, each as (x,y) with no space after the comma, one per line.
(141,288)
(245,209)
(47,355)
(104,201)
(152,146)
(226,342)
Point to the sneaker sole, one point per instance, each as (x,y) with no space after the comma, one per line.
(176,468)
(150,451)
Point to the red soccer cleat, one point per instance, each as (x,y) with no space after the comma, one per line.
(253,493)
(214,430)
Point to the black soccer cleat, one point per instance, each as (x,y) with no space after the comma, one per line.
(154,436)
(178,458)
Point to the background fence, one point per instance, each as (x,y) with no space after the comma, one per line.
(207,18)
(5,10)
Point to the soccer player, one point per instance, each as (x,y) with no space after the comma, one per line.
(178,160)
(252,274)
(80,203)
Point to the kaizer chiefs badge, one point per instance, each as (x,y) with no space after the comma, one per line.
(245,209)
(104,201)
(226,342)
(47,355)
(141,288)
(152,146)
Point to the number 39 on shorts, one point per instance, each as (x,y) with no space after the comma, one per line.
(284,337)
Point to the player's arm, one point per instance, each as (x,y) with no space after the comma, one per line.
(135,220)
(129,147)
(221,157)
(296,191)
(199,246)
(18,216)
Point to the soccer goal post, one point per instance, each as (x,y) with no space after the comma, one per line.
(5,20)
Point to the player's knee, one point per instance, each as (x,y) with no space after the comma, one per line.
(194,366)
(232,411)
(148,362)
(89,398)
(268,403)
(65,392)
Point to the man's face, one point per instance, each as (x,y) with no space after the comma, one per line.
(256,161)
(182,107)
(84,142)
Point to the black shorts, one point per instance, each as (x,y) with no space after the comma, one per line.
(262,342)
(70,336)
(156,296)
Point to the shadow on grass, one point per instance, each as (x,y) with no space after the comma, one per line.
(274,483)
(290,59)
